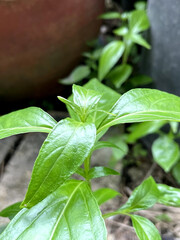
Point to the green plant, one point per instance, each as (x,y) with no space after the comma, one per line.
(56,206)
(109,63)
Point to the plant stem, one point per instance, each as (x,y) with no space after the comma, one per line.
(86,169)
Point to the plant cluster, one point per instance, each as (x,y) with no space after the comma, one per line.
(56,205)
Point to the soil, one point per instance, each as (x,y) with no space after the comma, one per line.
(17,173)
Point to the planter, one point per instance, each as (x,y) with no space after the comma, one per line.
(41,41)
(162,62)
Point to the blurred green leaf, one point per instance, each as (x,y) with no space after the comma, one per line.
(120,74)
(140,5)
(165,152)
(176,172)
(138,39)
(140,80)
(78,74)
(110,15)
(109,57)
(122,31)
(138,21)
(169,196)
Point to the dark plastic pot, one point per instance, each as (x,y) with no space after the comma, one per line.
(41,41)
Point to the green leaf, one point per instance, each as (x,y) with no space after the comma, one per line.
(64,150)
(138,21)
(84,98)
(30,119)
(140,80)
(109,57)
(69,213)
(122,31)
(120,74)
(104,144)
(11,211)
(110,15)
(142,129)
(174,127)
(143,197)
(176,171)
(78,74)
(97,172)
(141,5)
(145,229)
(120,152)
(165,152)
(140,105)
(169,196)
(138,39)
(109,97)
(103,195)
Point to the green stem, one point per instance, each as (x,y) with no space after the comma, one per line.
(87,168)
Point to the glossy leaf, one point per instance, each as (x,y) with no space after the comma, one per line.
(169,196)
(110,15)
(104,144)
(97,172)
(142,129)
(143,197)
(138,21)
(176,172)
(120,74)
(107,100)
(69,213)
(109,57)
(140,105)
(76,76)
(138,39)
(84,98)
(11,211)
(165,152)
(103,195)
(145,229)
(31,119)
(64,150)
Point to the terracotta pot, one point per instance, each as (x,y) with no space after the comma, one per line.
(41,41)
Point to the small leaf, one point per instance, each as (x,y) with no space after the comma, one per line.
(78,74)
(176,171)
(69,213)
(169,196)
(107,100)
(120,74)
(141,5)
(84,98)
(81,172)
(145,229)
(138,39)
(174,127)
(105,194)
(139,105)
(138,21)
(142,129)
(143,197)
(165,152)
(109,57)
(140,80)
(11,211)
(110,15)
(104,144)
(30,119)
(122,31)
(97,172)
(64,150)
